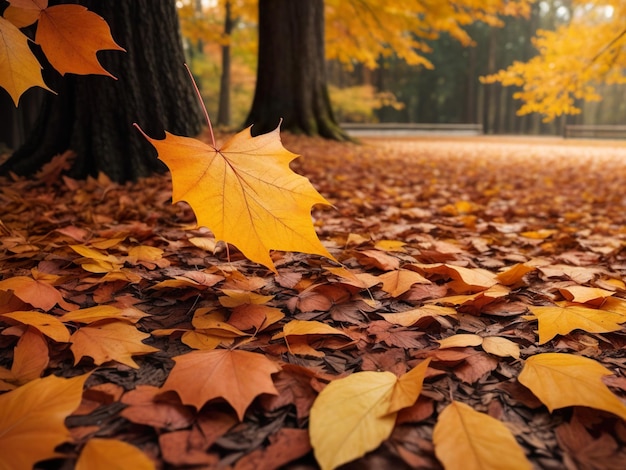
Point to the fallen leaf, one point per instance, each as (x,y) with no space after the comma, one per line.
(461,340)
(285,446)
(19,68)
(110,341)
(561,380)
(236,376)
(30,359)
(514,274)
(112,454)
(234,298)
(467,439)
(562,318)
(39,294)
(45,323)
(411,317)
(499,346)
(349,417)
(245,193)
(35,413)
(408,387)
(70,36)
(146,407)
(104,312)
(585,295)
(397,282)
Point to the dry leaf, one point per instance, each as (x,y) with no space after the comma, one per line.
(349,417)
(32,420)
(112,454)
(39,294)
(45,323)
(236,376)
(245,193)
(467,439)
(70,36)
(563,318)
(110,341)
(397,282)
(19,69)
(561,380)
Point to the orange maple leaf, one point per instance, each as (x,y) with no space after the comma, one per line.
(245,192)
(236,376)
(70,36)
(110,341)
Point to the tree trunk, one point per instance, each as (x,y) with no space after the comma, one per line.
(93,115)
(291,76)
(223,109)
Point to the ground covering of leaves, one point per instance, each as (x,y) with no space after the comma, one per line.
(438,237)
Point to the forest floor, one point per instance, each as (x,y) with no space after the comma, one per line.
(553,209)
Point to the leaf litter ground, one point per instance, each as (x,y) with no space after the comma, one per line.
(466,240)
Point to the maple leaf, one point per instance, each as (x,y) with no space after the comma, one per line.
(245,192)
(236,376)
(23,13)
(70,36)
(112,454)
(19,69)
(465,438)
(563,318)
(561,380)
(35,413)
(109,341)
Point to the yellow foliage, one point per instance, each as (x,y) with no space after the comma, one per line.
(572,61)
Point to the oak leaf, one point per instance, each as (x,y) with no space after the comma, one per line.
(561,380)
(467,439)
(236,376)
(109,341)
(70,36)
(562,318)
(112,454)
(19,69)
(35,413)
(245,192)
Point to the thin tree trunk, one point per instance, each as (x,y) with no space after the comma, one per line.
(93,115)
(291,76)
(223,110)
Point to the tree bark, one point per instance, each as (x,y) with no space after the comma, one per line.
(93,115)
(291,76)
(223,108)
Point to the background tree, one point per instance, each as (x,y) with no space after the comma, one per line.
(573,60)
(93,115)
(291,77)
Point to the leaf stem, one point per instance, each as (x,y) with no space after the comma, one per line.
(206,114)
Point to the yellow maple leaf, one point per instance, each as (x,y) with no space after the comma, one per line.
(465,438)
(562,318)
(19,69)
(32,419)
(245,192)
(561,380)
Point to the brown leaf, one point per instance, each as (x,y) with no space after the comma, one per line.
(236,376)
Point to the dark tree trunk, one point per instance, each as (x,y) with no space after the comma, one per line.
(93,115)
(223,109)
(291,76)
